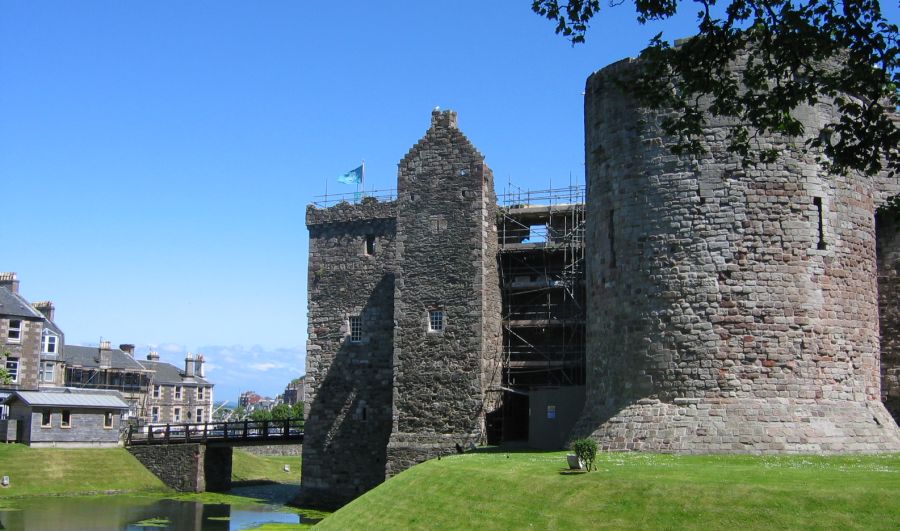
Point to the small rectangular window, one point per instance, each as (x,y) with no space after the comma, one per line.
(66,421)
(176,414)
(108,419)
(46,374)
(14,334)
(177,392)
(612,239)
(370,245)
(436,321)
(45,419)
(199,414)
(355,329)
(199,393)
(154,414)
(156,391)
(12,367)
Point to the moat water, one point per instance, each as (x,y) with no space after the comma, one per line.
(148,513)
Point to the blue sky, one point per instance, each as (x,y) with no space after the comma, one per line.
(157,157)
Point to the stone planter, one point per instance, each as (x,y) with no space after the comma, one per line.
(574,462)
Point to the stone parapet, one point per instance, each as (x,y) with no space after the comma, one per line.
(367,209)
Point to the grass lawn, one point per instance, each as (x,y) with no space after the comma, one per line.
(53,471)
(485,490)
(246,467)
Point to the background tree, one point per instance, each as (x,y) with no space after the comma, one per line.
(797,52)
(281,412)
(261,414)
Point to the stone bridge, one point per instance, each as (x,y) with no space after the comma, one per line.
(197,457)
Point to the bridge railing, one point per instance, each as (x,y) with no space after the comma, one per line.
(236,431)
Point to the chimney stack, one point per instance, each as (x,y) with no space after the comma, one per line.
(153,356)
(189,365)
(46,308)
(198,365)
(9,281)
(127,348)
(105,354)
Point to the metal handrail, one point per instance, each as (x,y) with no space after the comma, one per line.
(237,431)
(328,200)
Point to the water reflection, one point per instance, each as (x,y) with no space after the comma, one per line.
(136,514)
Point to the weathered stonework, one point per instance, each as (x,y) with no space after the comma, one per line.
(187,467)
(275,449)
(401,394)
(729,309)
(348,384)
(446,260)
(888,224)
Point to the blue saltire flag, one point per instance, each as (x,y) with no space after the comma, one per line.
(353,176)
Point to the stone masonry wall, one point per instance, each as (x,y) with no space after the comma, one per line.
(27,351)
(729,309)
(888,224)
(348,384)
(446,260)
(179,466)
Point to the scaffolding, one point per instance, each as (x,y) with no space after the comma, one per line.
(541,237)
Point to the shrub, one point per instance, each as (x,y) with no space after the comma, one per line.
(586,450)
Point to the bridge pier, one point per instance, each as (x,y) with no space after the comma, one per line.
(191,467)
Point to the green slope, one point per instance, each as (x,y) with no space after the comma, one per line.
(521,490)
(53,471)
(248,467)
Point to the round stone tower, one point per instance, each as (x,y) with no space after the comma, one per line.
(729,309)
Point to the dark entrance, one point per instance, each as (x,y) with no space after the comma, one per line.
(515,417)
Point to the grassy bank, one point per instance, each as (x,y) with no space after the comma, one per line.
(64,471)
(249,467)
(59,471)
(493,491)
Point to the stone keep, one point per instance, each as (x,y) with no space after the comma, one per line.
(729,309)
(446,262)
(401,394)
(348,384)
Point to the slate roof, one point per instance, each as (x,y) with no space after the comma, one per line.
(12,304)
(52,326)
(68,397)
(89,357)
(166,373)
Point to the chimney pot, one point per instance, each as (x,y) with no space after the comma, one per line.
(153,356)
(127,348)
(104,344)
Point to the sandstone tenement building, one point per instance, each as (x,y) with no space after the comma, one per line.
(687,305)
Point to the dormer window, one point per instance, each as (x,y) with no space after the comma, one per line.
(49,343)
(14,334)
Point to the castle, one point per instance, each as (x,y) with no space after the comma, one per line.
(684,305)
